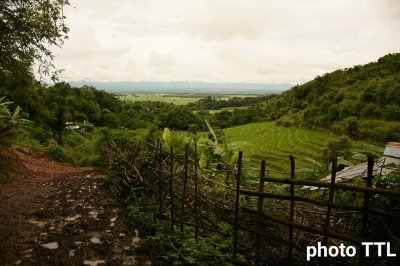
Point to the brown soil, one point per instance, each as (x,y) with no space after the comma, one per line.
(58,215)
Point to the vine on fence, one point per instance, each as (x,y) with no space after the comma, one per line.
(262,224)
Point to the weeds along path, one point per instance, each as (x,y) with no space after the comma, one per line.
(58,215)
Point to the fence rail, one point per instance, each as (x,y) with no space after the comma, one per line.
(192,199)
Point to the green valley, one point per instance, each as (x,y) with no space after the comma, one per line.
(164,132)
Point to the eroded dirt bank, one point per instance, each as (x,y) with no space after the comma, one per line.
(58,215)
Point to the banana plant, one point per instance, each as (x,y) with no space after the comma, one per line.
(178,141)
(367,150)
(218,150)
(319,170)
(213,150)
(10,120)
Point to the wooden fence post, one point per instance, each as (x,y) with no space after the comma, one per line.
(171,190)
(196,200)
(160,179)
(291,215)
(259,212)
(236,221)
(364,225)
(184,185)
(330,200)
(227,184)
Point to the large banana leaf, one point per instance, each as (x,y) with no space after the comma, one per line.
(167,137)
(212,132)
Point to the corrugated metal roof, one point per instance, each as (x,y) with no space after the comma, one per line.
(392,149)
(391,155)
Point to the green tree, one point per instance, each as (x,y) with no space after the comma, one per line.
(339,148)
(59,116)
(224,118)
(27,29)
(351,126)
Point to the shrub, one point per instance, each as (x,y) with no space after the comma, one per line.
(339,148)
(57,153)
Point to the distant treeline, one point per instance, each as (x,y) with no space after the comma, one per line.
(213,103)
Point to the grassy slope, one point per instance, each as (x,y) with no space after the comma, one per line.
(275,143)
(368,92)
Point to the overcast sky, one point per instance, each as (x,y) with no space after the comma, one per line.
(224,40)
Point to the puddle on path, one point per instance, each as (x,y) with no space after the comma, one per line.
(93,214)
(95,240)
(40,224)
(136,239)
(94,262)
(129,260)
(72,218)
(71,253)
(51,245)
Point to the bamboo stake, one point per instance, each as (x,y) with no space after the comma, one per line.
(171,192)
(330,200)
(184,186)
(291,215)
(236,228)
(160,179)
(196,201)
(259,213)
(364,225)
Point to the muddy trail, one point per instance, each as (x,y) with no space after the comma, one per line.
(58,215)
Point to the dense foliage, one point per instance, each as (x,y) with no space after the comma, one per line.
(131,171)
(362,102)
(341,101)
(10,121)
(27,28)
(213,103)
(52,107)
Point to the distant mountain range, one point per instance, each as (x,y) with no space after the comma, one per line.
(184,87)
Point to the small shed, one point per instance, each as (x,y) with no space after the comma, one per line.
(391,155)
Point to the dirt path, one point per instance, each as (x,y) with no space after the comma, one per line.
(58,215)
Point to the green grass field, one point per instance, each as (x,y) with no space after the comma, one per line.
(158,97)
(275,143)
(229,109)
(177,99)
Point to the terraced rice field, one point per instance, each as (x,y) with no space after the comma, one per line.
(275,143)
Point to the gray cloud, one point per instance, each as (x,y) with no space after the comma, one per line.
(225,40)
(226,28)
(162,63)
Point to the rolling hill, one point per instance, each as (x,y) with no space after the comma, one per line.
(362,101)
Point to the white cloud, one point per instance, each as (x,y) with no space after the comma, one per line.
(225,40)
